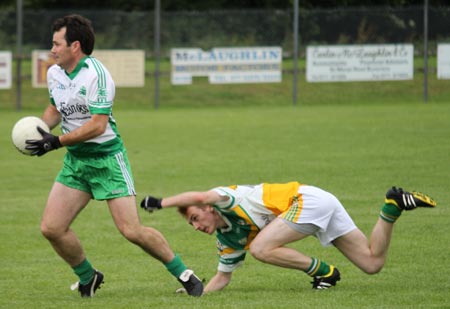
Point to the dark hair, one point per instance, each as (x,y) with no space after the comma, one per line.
(78,29)
(182,211)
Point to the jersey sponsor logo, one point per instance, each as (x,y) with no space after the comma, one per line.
(70,109)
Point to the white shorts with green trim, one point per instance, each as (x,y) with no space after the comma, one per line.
(318,213)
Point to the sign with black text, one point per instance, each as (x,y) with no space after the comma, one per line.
(227,65)
(340,63)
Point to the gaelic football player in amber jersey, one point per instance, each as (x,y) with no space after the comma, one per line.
(263,218)
(95,165)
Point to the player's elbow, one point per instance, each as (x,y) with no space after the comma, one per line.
(98,124)
(100,128)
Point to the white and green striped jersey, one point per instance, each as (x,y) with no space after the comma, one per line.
(88,90)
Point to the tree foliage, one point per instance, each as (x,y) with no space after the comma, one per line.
(201,5)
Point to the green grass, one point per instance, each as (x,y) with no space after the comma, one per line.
(354,151)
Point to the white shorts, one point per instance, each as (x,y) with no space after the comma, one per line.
(322,210)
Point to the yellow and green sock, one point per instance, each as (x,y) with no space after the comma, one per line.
(390,212)
(318,268)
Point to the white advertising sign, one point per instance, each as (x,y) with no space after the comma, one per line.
(339,63)
(443,61)
(227,65)
(5,69)
(127,67)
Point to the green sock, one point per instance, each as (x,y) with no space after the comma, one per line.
(390,213)
(176,266)
(318,268)
(84,271)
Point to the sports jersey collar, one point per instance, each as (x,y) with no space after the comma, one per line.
(229,225)
(81,64)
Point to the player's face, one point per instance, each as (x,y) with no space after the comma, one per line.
(63,53)
(203,219)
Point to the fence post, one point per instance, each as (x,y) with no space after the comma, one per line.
(157,50)
(19,28)
(295,60)
(425,51)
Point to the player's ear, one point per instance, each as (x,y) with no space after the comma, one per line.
(75,45)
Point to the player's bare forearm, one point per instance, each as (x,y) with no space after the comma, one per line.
(183,199)
(218,282)
(51,116)
(192,198)
(93,128)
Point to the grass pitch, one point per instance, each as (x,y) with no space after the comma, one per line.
(356,152)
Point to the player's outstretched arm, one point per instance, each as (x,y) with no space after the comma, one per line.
(186,199)
(192,198)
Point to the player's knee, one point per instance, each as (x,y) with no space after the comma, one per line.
(49,232)
(372,268)
(131,233)
(259,252)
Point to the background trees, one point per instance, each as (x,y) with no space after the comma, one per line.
(178,5)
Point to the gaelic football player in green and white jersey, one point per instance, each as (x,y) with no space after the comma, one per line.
(264,218)
(95,165)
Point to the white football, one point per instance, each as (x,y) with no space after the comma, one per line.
(26,128)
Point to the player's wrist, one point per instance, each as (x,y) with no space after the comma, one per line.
(57,142)
(150,203)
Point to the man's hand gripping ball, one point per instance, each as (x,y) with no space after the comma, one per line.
(40,147)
